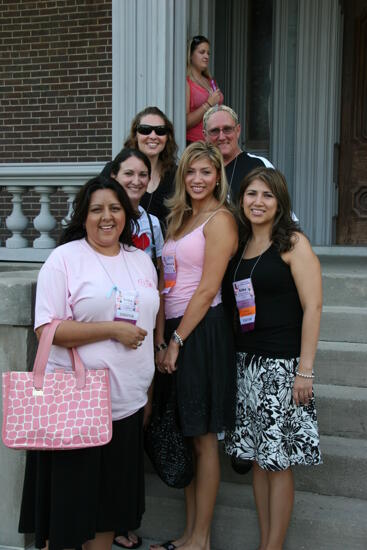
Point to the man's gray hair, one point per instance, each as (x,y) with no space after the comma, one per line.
(217,109)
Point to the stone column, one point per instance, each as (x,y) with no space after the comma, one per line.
(317,113)
(283,84)
(200,20)
(148,63)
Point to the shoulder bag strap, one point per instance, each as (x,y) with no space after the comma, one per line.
(154,249)
(43,353)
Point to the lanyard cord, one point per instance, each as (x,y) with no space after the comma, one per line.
(127,268)
(255,264)
(114,286)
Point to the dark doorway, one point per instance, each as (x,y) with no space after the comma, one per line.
(352,217)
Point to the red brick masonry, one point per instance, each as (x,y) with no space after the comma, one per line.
(56,61)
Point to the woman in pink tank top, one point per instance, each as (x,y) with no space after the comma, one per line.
(202,91)
(201,238)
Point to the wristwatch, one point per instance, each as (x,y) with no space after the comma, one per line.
(160,347)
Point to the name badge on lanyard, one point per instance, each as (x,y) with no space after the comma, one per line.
(245,299)
(127,306)
(170,272)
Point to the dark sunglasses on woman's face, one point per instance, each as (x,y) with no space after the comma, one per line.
(146,129)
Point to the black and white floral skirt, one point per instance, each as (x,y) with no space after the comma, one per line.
(270,429)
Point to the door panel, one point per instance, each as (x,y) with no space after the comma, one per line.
(352,218)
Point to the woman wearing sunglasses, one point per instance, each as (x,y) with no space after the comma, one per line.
(153,134)
(202,91)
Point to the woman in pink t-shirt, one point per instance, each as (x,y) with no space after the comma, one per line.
(84,496)
(202,91)
(201,238)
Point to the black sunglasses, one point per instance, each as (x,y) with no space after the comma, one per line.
(146,129)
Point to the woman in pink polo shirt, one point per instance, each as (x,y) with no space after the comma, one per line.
(84,496)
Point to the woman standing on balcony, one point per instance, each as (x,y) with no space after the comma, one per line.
(273,289)
(202,91)
(201,238)
(84,496)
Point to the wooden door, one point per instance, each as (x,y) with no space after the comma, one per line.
(352,217)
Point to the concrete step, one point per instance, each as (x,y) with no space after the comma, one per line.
(344,324)
(323,522)
(146,543)
(347,258)
(341,363)
(343,473)
(342,410)
(344,289)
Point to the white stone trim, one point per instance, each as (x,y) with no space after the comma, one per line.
(201,20)
(24,254)
(317,115)
(148,63)
(54,174)
(278,140)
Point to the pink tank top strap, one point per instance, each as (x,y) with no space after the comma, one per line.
(213,214)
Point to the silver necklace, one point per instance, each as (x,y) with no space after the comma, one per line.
(233,171)
(150,201)
(201,83)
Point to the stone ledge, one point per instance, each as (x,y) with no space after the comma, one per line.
(17,295)
(339,250)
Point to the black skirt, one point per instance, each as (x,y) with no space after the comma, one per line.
(69,496)
(206,375)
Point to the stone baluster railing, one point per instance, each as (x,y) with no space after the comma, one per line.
(45,180)
(16,222)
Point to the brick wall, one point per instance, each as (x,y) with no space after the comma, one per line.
(56,69)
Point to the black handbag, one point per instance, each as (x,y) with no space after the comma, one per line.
(169,451)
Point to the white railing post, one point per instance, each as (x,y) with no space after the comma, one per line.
(16,222)
(44,222)
(71,193)
(44,179)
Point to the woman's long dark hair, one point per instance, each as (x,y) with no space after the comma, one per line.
(75,229)
(168,157)
(284,227)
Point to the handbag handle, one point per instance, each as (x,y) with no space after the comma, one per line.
(43,352)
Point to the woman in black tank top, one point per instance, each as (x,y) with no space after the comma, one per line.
(272,290)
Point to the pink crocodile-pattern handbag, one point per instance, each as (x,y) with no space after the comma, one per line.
(59,410)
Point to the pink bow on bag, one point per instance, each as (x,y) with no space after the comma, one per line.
(56,410)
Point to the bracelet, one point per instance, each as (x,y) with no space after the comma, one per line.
(208,104)
(177,338)
(308,376)
(160,347)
